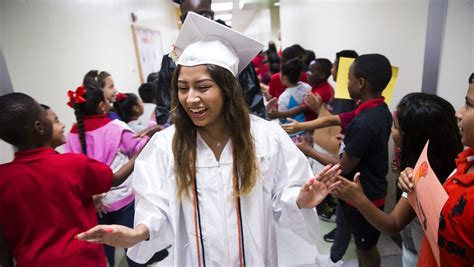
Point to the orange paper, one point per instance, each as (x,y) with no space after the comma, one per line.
(427,199)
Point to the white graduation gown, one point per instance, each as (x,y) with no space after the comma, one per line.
(282,170)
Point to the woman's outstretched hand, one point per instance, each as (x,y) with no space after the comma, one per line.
(115,235)
(317,188)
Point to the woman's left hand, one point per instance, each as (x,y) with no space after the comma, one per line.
(317,188)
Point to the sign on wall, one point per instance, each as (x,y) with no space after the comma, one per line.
(341,90)
(149,50)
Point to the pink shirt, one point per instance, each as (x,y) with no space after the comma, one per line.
(113,143)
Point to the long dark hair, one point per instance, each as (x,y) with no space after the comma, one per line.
(424,117)
(237,118)
(93,96)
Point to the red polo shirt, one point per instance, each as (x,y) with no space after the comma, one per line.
(257,63)
(46,199)
(456,233)
(326,92)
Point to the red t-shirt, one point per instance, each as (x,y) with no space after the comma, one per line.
(326,92)
(455,234)
(276,88)
(46,199)
(257,63)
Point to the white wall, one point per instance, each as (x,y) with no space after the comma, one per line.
(50,45)
(395,28)
(457,59)
(6,151)
(260,27)
(2,4)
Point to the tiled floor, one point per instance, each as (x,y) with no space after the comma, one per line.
(294,251)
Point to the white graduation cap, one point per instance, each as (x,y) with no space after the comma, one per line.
(203,41)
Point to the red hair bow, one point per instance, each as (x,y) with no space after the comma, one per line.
(121,96)
(77,96)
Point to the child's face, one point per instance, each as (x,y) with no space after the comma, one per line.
(465,117)
(109,90)
(105,106)
(57,137)
(315,76)
(334,69)
(353,84)
(396,135)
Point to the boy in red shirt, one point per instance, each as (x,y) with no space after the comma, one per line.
(46,197)
(276,87)
(321,92)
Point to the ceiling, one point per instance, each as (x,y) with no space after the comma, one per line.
(243,11)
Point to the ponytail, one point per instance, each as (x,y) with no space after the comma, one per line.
(85,102)
(80,128)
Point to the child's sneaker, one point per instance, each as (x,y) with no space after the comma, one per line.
(328,217)
(331,236)
(325,261)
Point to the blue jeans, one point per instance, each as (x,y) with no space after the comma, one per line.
(123,216)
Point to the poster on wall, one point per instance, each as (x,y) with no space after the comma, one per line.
(341,90)
(149,50)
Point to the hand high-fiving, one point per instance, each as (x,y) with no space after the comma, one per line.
(115,235)
(350,191)
(317,188)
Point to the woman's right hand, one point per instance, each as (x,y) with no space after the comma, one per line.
(115,235)
(405,180)
(292,127)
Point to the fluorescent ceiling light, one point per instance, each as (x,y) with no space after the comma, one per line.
(277,4)
(216,7)
(223,16)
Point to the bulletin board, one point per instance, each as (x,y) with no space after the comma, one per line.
(149,50)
